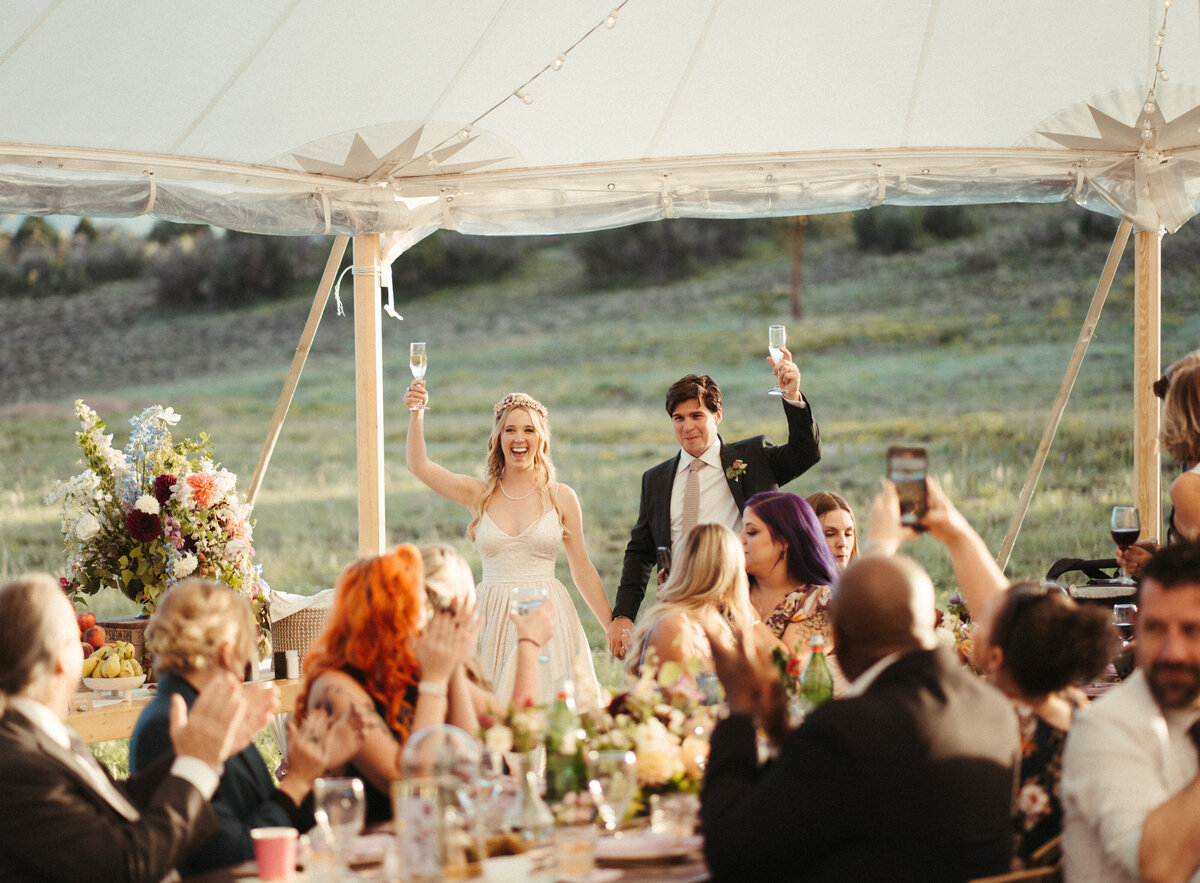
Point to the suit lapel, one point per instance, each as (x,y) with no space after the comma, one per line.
(80,770)
(660,529)
(728,455)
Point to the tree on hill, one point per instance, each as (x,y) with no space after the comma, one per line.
(35,230)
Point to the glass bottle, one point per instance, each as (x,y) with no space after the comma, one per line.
(816,683)
(566,771)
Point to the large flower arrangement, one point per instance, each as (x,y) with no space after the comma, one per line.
(142,518)
(664,720)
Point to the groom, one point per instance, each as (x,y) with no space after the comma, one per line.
(729,475)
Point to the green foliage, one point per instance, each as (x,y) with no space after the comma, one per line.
(86,229)
(888,229)
(947,221)
(36,231)
(164,231)
(446,259)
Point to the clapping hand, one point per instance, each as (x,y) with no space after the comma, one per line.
(750,678)
(222,720)
(446,641)
(320,745)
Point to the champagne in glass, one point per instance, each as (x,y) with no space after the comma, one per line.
(1125,527)
(416,360)
(776,340)
(528,597)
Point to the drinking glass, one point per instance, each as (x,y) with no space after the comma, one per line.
(612,782)
(340,808)
(417,362)
(1125,527)
(776,340)
(527,597)
(1123,616)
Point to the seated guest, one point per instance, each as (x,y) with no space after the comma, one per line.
(838,525)
(372,656)
(1130,783)
(706,590)
(203,631)
(910,777)
(65,818)
(448,579)
(789,566)
(1031,641)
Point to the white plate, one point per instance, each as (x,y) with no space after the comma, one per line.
(114,685)
(645,847)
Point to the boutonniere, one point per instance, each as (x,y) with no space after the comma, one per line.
(736,470)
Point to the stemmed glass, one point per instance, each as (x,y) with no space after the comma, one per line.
(526,598)
(776,340)
(417,362)
(340,808)
(612,782)
(1123,616)
(1125,527)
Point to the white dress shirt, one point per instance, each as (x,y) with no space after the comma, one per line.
(716,500)
(1124,757)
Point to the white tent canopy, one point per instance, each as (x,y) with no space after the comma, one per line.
(534,116)
(384,120)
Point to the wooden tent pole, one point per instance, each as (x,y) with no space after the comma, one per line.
(298,360)
(1064,391)
(1147,366)
(368,371)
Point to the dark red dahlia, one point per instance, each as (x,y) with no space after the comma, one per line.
(162,487)
(143,527)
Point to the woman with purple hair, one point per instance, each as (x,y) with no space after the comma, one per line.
(789,566)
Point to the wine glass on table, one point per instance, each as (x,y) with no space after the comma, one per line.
(612,782)
(340,809)
(417,362)
(1123,616)
(776,341)
(1125,527)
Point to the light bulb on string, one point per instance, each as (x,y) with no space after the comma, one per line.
(464,133)
(524,96)
(1149,106)
(558,62)
(1164,75)
(611,21)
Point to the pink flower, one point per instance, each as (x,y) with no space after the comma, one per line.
(204,489)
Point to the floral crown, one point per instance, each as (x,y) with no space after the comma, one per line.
(519,400)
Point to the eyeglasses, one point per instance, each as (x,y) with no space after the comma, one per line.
(1020,598)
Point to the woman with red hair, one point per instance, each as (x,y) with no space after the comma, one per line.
(372,656)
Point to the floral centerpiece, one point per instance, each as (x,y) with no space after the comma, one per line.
(662,718)
(955,629)
(141,518)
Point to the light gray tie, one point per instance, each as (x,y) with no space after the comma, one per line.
(691,498)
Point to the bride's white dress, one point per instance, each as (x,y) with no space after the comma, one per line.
(528,557)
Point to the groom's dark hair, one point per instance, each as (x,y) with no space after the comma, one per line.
(695,386)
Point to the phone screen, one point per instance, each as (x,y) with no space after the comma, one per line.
(907,468)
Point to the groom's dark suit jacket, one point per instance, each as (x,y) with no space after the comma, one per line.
(912,781)
(57,826)
(767,467)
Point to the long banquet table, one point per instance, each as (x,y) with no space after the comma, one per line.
(99,720)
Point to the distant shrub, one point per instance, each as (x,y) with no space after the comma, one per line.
(111,259)
(86,229)
(1095,226)
(661,251)
(947,221)
(36,231)
(447,258)
(888,229)
(165,231)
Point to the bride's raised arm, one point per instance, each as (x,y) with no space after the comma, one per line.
(461,489)
(583,572)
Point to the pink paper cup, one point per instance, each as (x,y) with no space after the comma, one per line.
(275,852)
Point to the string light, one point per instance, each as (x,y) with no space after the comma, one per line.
(611,21)
(465,133)
(559,62)
(1150,106)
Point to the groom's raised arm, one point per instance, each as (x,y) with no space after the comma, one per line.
(803,448)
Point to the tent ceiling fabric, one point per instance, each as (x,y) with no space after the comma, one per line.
(534,116)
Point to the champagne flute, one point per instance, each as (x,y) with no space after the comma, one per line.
(417,362)
(1125,527)
(524,599)
(612,781)
(776,340)
(1123,616)
(340,807)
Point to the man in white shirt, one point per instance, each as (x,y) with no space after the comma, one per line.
(677,495)
(1130,784)
(64,817)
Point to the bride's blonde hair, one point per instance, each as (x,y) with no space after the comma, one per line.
(493,467)
(708,572)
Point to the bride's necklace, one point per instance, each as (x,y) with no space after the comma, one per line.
(511,497)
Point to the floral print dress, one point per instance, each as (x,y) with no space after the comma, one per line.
(805,605)
(1039,813)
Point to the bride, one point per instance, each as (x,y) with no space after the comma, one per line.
(521,516)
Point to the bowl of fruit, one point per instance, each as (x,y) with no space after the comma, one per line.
(111,668)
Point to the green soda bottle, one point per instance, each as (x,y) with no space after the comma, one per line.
(816,683)
(565,736)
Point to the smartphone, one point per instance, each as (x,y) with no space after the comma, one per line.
(906,469)
(663,553)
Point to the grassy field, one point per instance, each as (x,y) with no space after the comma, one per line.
(960,347)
